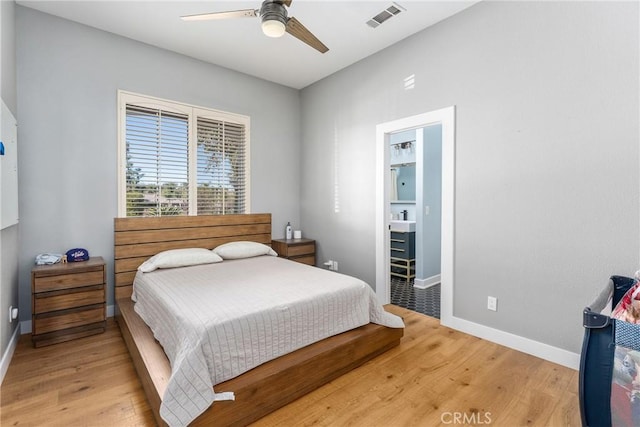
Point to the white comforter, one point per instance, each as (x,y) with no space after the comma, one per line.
(217,321)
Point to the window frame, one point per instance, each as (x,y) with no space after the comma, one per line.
(193,112)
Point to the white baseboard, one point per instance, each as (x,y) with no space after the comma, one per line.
(25,327)
(525,345)
(8,354)
(426,283)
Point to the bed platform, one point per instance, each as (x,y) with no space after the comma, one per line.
(261,390)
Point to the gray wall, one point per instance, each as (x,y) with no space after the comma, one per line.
(68,76)
(547,182)
(8,236)
(429,230)
(8,71)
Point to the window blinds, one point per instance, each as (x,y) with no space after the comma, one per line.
(158,163)
(221,167)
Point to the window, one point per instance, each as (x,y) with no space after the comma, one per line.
(176,159)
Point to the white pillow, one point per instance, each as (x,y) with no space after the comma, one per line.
(179,258)
(237,250)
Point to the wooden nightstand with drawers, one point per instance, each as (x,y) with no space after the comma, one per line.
(299,250)
(68,301)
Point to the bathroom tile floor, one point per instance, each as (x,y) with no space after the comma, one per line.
(425,301)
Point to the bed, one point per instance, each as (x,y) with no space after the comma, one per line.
(262,389)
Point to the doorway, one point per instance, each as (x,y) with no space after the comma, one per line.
(446,118)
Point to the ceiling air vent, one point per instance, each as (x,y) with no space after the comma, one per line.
(381,17)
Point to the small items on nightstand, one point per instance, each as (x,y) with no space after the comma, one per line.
(77,255)
(48,259)
(287,231)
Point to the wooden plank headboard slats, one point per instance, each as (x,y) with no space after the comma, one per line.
(151,223)
(137,239)
(149,249)
(123,292)
(130,264)
(173,234)
(125,279)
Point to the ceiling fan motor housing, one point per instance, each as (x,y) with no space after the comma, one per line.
(273,11)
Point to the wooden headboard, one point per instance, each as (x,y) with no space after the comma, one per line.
(136,239)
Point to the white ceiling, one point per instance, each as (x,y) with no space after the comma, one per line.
(239,44)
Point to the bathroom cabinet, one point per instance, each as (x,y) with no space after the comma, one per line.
(403,254)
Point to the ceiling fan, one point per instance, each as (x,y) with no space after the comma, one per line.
(275,21)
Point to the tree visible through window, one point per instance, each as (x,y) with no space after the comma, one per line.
(170,170)
(221,167)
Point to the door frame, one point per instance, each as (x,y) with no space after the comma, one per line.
(446,118)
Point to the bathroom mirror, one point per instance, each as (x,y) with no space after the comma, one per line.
(403,182)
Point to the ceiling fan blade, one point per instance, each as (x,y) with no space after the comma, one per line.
(299,31)
(245,13)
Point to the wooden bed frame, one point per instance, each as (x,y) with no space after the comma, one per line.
(263,389)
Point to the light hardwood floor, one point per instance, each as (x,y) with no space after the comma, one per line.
(436,376)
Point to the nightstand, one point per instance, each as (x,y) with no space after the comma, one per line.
(299,250)
(68,301)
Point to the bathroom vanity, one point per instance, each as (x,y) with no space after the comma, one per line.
(403,249)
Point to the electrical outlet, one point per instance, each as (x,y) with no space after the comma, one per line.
(492,303)
(331,265)
(13,313)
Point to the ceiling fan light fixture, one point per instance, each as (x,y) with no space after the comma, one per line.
(275,21)
(273,28)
